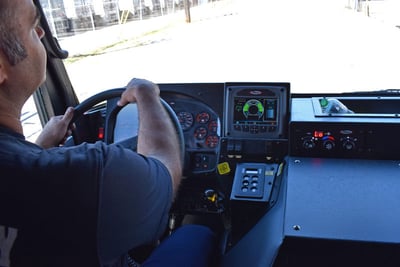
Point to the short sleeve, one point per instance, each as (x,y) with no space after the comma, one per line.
(134,200)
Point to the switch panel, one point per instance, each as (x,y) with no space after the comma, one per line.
(253,181)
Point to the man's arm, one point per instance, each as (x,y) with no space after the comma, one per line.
(157,136)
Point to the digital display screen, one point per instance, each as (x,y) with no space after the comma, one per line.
(254,110)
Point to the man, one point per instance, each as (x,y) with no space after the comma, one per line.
(86,205)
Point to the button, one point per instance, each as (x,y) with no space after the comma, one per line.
(254,129)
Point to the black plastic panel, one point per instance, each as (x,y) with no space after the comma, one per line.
(355,200)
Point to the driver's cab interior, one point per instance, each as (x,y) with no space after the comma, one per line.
(285,179)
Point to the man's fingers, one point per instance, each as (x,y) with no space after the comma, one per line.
(68,115)
(122,103)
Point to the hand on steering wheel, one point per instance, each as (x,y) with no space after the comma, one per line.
(87,104)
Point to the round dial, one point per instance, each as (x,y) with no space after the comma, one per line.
(213,126)
(212,141)
(308,142)
(253,107)
(203,117)
(185,119)
(200,133)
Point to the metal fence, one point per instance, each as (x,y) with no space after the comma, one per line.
(68,17)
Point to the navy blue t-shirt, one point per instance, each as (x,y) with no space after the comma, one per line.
(77,206)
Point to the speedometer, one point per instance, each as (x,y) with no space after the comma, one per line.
(185,119)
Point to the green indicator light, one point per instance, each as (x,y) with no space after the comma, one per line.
(324,102)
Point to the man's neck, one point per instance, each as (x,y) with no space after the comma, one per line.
(11,122)
(10,117)
(10,111)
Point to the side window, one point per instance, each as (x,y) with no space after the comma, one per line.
(30,121)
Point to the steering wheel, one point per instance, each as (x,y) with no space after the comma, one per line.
(112,112)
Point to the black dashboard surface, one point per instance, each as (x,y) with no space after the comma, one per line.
(326,180)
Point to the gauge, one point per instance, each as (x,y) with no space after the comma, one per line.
(200,133)
(253,107)
(213,126)
(185,119)
(212,141)
(203,117)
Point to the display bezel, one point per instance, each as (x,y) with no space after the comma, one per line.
(257,125)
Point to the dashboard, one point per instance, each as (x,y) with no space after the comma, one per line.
(283,173)
(218,117)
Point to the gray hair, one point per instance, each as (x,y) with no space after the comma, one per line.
(10,43)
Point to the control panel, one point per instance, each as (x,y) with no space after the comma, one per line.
(253,181)
(333,140)
(341,137)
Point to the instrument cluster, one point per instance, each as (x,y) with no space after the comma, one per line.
(201,128)
(200,124)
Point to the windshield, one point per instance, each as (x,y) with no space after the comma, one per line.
(317,45)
